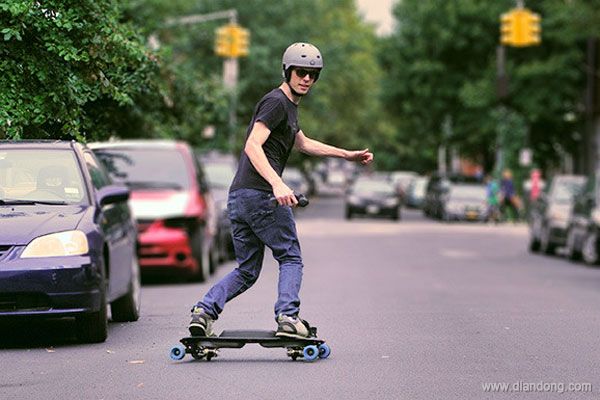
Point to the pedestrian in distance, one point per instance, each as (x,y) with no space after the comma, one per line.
(492,199)
(258,221)
(509,199)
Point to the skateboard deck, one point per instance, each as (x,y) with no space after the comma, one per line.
(200,347)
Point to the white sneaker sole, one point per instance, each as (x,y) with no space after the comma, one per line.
(290,335)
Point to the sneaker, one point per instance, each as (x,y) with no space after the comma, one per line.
(201,323)
(292,327)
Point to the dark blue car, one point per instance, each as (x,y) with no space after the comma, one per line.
(67,238)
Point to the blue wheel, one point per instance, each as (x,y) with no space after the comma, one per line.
(310,353)
(177,352)
(324,350)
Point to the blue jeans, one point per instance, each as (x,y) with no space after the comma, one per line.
(256,222)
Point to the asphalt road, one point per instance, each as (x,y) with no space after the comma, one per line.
(414,309)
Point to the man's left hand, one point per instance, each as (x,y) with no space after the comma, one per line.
(363,156)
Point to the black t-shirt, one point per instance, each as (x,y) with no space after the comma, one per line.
(280,115)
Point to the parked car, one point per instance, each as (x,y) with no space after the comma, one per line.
(295,180)
(171,202)
(464,202)
(401,181)
(550,214)
(583,238)
(415,195)
(438,185)
(220,170)
(372,197)
(68,239)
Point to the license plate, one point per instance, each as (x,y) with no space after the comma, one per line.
(372,209)
(472,214)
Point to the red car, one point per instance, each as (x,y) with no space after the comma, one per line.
(170,201)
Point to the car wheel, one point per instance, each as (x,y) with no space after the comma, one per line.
(93,327)
(572,253)
(127,308)
(534,242)
(201,254)
(214,257)
(546,245)
(396,214)
(589,249)
(348,213)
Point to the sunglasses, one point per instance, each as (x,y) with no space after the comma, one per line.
(313,74)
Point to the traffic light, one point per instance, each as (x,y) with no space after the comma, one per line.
(223,42)
(533,29)
(520,28)
(232,41)
(241,42)
(508,28)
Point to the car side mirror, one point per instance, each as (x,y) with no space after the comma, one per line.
(112,194)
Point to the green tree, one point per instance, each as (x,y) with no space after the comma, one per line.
(344,105)
(441,62)
(66,68)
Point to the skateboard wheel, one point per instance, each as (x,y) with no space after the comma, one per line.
(324,350)
(177,352)
(310,353)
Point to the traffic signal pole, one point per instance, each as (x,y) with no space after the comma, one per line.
(519,28)
(232,42)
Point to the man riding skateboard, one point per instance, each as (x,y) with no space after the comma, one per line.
(256,221)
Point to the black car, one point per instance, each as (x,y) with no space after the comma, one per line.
(550,214)
(372,197)
(584,224)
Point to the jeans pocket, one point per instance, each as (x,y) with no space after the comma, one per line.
(262,218)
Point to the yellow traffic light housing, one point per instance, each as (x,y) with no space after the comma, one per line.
(520,27)
(241,40)
(223,42)
(508,28)
(232,41)
(533,29)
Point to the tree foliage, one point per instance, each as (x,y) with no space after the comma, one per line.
(343,106)
(66,67)
(442,60)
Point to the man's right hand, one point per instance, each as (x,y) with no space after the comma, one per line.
(284,195)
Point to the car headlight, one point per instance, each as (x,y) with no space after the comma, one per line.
(70,243)
(354,200)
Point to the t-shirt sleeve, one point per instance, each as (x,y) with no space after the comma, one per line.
(270,113)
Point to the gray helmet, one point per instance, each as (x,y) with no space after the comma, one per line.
(301,55)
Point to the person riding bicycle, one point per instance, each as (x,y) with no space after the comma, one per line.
(256,221)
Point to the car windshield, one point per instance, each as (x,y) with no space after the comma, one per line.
(146,168)
(468,192)
(31,176)
(220,175)
(377,187)
(564,189)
